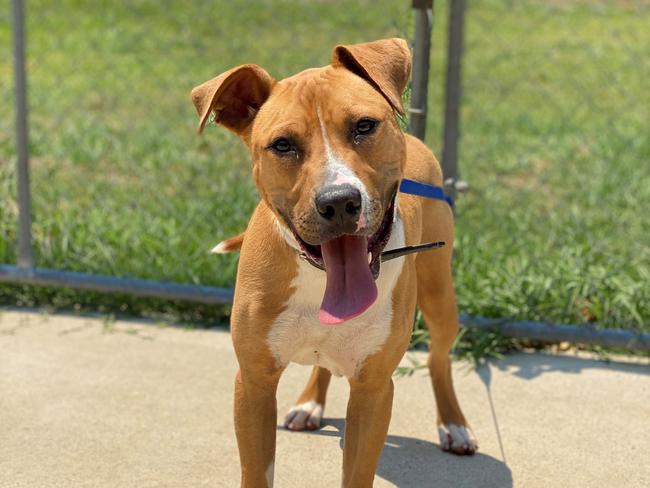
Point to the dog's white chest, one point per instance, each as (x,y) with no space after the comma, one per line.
(298,336)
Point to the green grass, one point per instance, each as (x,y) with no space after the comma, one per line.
(555,146)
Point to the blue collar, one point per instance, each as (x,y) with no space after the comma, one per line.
(413,187)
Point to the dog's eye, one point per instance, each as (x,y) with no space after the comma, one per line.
(364,127)
(282,146)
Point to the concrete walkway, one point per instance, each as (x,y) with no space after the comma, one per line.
(89,402)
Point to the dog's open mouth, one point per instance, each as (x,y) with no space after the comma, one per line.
(374,247)
(352,264)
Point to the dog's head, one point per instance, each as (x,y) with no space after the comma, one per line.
(327,153)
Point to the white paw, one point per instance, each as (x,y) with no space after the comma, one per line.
(457,439)
(304,416)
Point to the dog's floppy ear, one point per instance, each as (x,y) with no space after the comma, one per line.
(234,97)
(385,64)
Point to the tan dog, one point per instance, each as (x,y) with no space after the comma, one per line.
(328,155)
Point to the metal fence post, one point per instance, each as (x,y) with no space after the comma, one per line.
(25,259)
(452,98)
(421,51)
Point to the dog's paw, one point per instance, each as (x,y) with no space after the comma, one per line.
(304,416)
(457,439)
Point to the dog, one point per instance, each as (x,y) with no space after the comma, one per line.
(328,155)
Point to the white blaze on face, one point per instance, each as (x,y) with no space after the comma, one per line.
(339,173)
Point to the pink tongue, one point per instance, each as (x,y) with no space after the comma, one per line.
(350,288)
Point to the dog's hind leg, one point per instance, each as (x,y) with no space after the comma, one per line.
(308,410)
(440,315)
(437,301)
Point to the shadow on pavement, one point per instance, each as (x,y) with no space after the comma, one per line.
(415,463)
(530,366)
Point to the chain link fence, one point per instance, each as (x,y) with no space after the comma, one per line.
(555,146)
(121,183)
(553,143)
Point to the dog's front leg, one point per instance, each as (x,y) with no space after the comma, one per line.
(366,425)
(255,425)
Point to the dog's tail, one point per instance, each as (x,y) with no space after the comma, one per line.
(229,245)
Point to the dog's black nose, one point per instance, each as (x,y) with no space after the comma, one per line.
(339,202)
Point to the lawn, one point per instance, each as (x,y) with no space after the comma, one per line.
(555,145)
